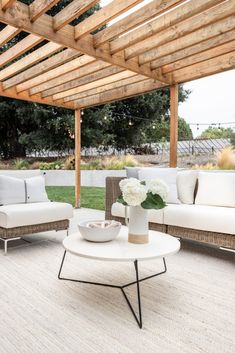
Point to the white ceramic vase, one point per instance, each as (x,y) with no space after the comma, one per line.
(138,227)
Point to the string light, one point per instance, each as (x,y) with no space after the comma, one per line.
(105,117)
(82,112)
(154,127)
(130,123)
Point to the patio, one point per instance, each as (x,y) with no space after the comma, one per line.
(40,313)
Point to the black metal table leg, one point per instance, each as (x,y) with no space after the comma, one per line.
(138,317)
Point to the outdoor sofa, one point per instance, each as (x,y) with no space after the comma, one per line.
(203,209)
(26,209)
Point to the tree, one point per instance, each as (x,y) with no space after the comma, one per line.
(216,133)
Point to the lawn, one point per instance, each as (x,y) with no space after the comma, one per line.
(91,197)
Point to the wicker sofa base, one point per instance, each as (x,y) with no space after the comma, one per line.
(211,238)
(10,233)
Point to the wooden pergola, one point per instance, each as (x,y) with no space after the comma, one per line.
(162,44)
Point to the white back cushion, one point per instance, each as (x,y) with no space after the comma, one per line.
(12,190)
(216,189)
(168,175)
(186,183)
(35,188)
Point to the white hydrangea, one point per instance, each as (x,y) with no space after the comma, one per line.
(158,187)
(134,193)
(129,181)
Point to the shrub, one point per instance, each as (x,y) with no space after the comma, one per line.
(35,165)
(51,166)
(21,164)
(118,163)
(225,159)
(207,166)
(69,163)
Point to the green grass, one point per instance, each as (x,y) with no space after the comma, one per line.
(91,197)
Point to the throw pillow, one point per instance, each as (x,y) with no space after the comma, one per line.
(168,175)
(186,183)
(35,189)
(132,172)
(216,189)
(12,190)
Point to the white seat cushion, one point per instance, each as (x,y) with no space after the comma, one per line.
(154,216)
(186,183)
(208,218)
(34,213)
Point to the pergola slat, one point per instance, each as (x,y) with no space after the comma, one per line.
(107,87)
(78,72)
(58,71)
(32,58)
(103,16)
(188,26)
(20,48)
(7,3)
(39,7)
(167,21)
(89,77)
(209,67)
(194,49)
(197,58)
(102,82)
(7,34)
(119,93)
(195,37)
(44,27)
(42,67)
(70,12)
(146,13)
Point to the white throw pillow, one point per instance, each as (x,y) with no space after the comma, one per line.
(168,175)
(186,183)
(35,189)
(12,190)
(216,189)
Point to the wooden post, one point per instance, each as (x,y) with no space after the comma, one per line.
(77,157)
(174,92)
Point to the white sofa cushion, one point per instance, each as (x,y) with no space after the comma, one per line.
(35,189)
(34,213)
(186,183)
(12,190)
(154,216)
(168,175)
(216,189)
(208,218)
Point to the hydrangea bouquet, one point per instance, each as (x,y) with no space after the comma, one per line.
(150,195)
(141,196)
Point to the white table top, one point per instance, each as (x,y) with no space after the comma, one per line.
(160,245)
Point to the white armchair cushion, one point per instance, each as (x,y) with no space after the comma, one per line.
(34,213)
(12,190)
(168,175)
(186,183)
(216,189)
(207,218)
(35,189)
(154,216)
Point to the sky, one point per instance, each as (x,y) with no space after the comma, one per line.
(212,99)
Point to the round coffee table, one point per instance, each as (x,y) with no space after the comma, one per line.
(160,245)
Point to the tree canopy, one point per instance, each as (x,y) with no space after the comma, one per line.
(216,133)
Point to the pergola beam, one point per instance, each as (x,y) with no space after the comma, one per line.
(164,22)
(7,4)
(42,67)
(18,49)
(107,87)
(119,93)
(70,76)
(32,58)
(102,82)
(103,16)
(7,33)
(180,29)
(65,37)
(75,9)
(146,13)
(198,36)
(39,7)
(91,76)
